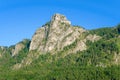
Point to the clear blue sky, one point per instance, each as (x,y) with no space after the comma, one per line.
(19,19)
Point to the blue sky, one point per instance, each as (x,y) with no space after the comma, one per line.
(19,19)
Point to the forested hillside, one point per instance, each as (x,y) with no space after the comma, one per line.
(92,55)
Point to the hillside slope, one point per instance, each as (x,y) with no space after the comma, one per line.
(60,51)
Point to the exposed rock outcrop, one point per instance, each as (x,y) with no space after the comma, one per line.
(3,50)
(55,35)
(19,47)
(93,37)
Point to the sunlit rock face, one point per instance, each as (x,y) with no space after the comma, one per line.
(55,35)
(2,50)
(15,50)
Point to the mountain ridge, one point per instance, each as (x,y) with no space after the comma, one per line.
(54,36)
(59,46)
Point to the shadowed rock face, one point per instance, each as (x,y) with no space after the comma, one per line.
(55,35)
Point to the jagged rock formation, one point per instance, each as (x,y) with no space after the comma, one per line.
(60,48)
(55,35)
(60,39)
(20,46)
(15,49)
(2,50)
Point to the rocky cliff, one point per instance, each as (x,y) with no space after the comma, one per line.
(15,50)
(2,50)
(20,47)
(58,39)
(55,35)
(58,49)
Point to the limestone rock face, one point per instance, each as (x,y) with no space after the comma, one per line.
(93,38)
(55,35)
(20,46)
(2,50)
